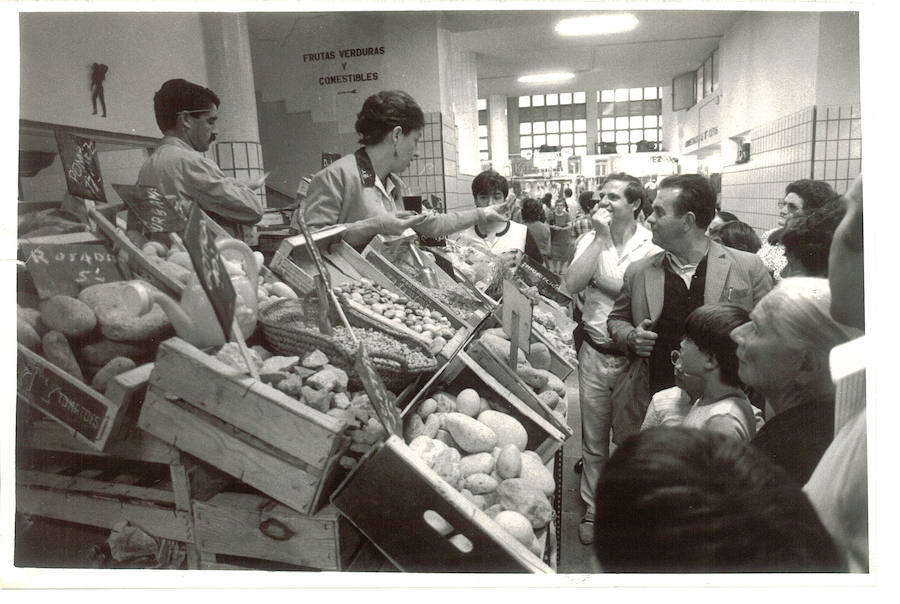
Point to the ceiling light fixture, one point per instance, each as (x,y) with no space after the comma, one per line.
(596,24)
(541,78)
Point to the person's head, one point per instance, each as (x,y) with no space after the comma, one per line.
(532,210)
(489,188)
(846,271)
(393,118)
(707,351)
(187,110)
(621,195)
(804,194)
(675,499)
(586,201)
(736,235)
(684,206)
(560,206)
(547,200)
(783,350)
(807,239)
(720,218)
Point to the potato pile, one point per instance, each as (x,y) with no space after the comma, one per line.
(481,452)
(429,325)
(533,369)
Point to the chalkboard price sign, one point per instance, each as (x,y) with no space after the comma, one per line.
(201,247)
(67,268)
(154,211)
(61,398)
(81,166)
(547,283)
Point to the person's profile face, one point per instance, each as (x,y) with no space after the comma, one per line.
(200,128)
(406,150)
(790,205)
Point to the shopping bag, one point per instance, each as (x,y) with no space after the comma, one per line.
(630,399)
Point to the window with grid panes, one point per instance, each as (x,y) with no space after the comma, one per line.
(706,78)
(484,139)
(628,116)
(558,119)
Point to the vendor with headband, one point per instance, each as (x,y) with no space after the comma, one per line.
(363,191)
(187,114)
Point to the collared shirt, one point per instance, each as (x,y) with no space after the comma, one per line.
(685,271)
(176,168)
(612,264)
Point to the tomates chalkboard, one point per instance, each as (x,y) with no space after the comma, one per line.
(81,166)
(201,247)
(154,211)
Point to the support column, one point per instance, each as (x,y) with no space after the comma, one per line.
(499,133)
(230,73)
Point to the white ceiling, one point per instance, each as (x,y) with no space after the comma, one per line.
(512,43)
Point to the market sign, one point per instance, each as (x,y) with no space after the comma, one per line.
(201,246)
(154,211)
(546,282)
(517,313)
(80,165)
(67,268)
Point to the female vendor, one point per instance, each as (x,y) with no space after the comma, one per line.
(363,191)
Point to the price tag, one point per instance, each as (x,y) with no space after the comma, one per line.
(154,211)
(81,166)
(201,247)
(517,314)
(70,267)
(533,274)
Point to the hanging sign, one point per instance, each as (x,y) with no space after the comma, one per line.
(81,166)
(546,282)
(67,268)
(201,247)
(154,211)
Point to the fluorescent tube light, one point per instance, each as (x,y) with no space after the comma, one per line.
(596,25)
(540,78)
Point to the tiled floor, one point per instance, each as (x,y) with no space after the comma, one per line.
(574,558)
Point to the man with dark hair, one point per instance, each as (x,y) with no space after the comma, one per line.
(187,113)
(675,499)
(659,292)
(601,259)
(488,188)
(582,224)
(807,239)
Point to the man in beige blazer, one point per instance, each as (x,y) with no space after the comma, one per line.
(658,292)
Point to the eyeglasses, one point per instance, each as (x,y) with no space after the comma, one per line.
(790,206)
(675,357)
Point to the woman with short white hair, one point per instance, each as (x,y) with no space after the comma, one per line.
(783,355)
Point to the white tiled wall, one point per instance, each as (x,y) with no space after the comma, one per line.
(838,147)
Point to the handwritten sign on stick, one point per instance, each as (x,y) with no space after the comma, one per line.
(381,399)
(70,267)
(154,211)
(81,165)
(517,313)
(61,397)
(547,283)
(201,247)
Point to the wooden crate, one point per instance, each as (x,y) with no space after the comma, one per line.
(559,366)
(386,497)
(292,262)
(254,526)
(545,437)
(91,417)
(243,427)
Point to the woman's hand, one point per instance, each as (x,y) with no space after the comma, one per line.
(397,222)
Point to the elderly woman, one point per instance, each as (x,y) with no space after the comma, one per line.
(800,195)
(363,190)
(783,355)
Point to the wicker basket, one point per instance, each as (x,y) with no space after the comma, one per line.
(289,327)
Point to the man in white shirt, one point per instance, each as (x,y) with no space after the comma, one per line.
(601,257)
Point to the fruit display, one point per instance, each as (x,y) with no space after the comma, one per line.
(552,322)
(478,265)
(480,450)
(409,316)
(533,369)
(315,382)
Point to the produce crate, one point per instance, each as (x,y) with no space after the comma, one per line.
(503,373)
(386,497)
(135,261)
(544,436)
(559,366)
(93,418)
(243,427)
(293,263)
(417,291)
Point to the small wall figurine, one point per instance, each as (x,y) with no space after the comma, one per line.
(98,74)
